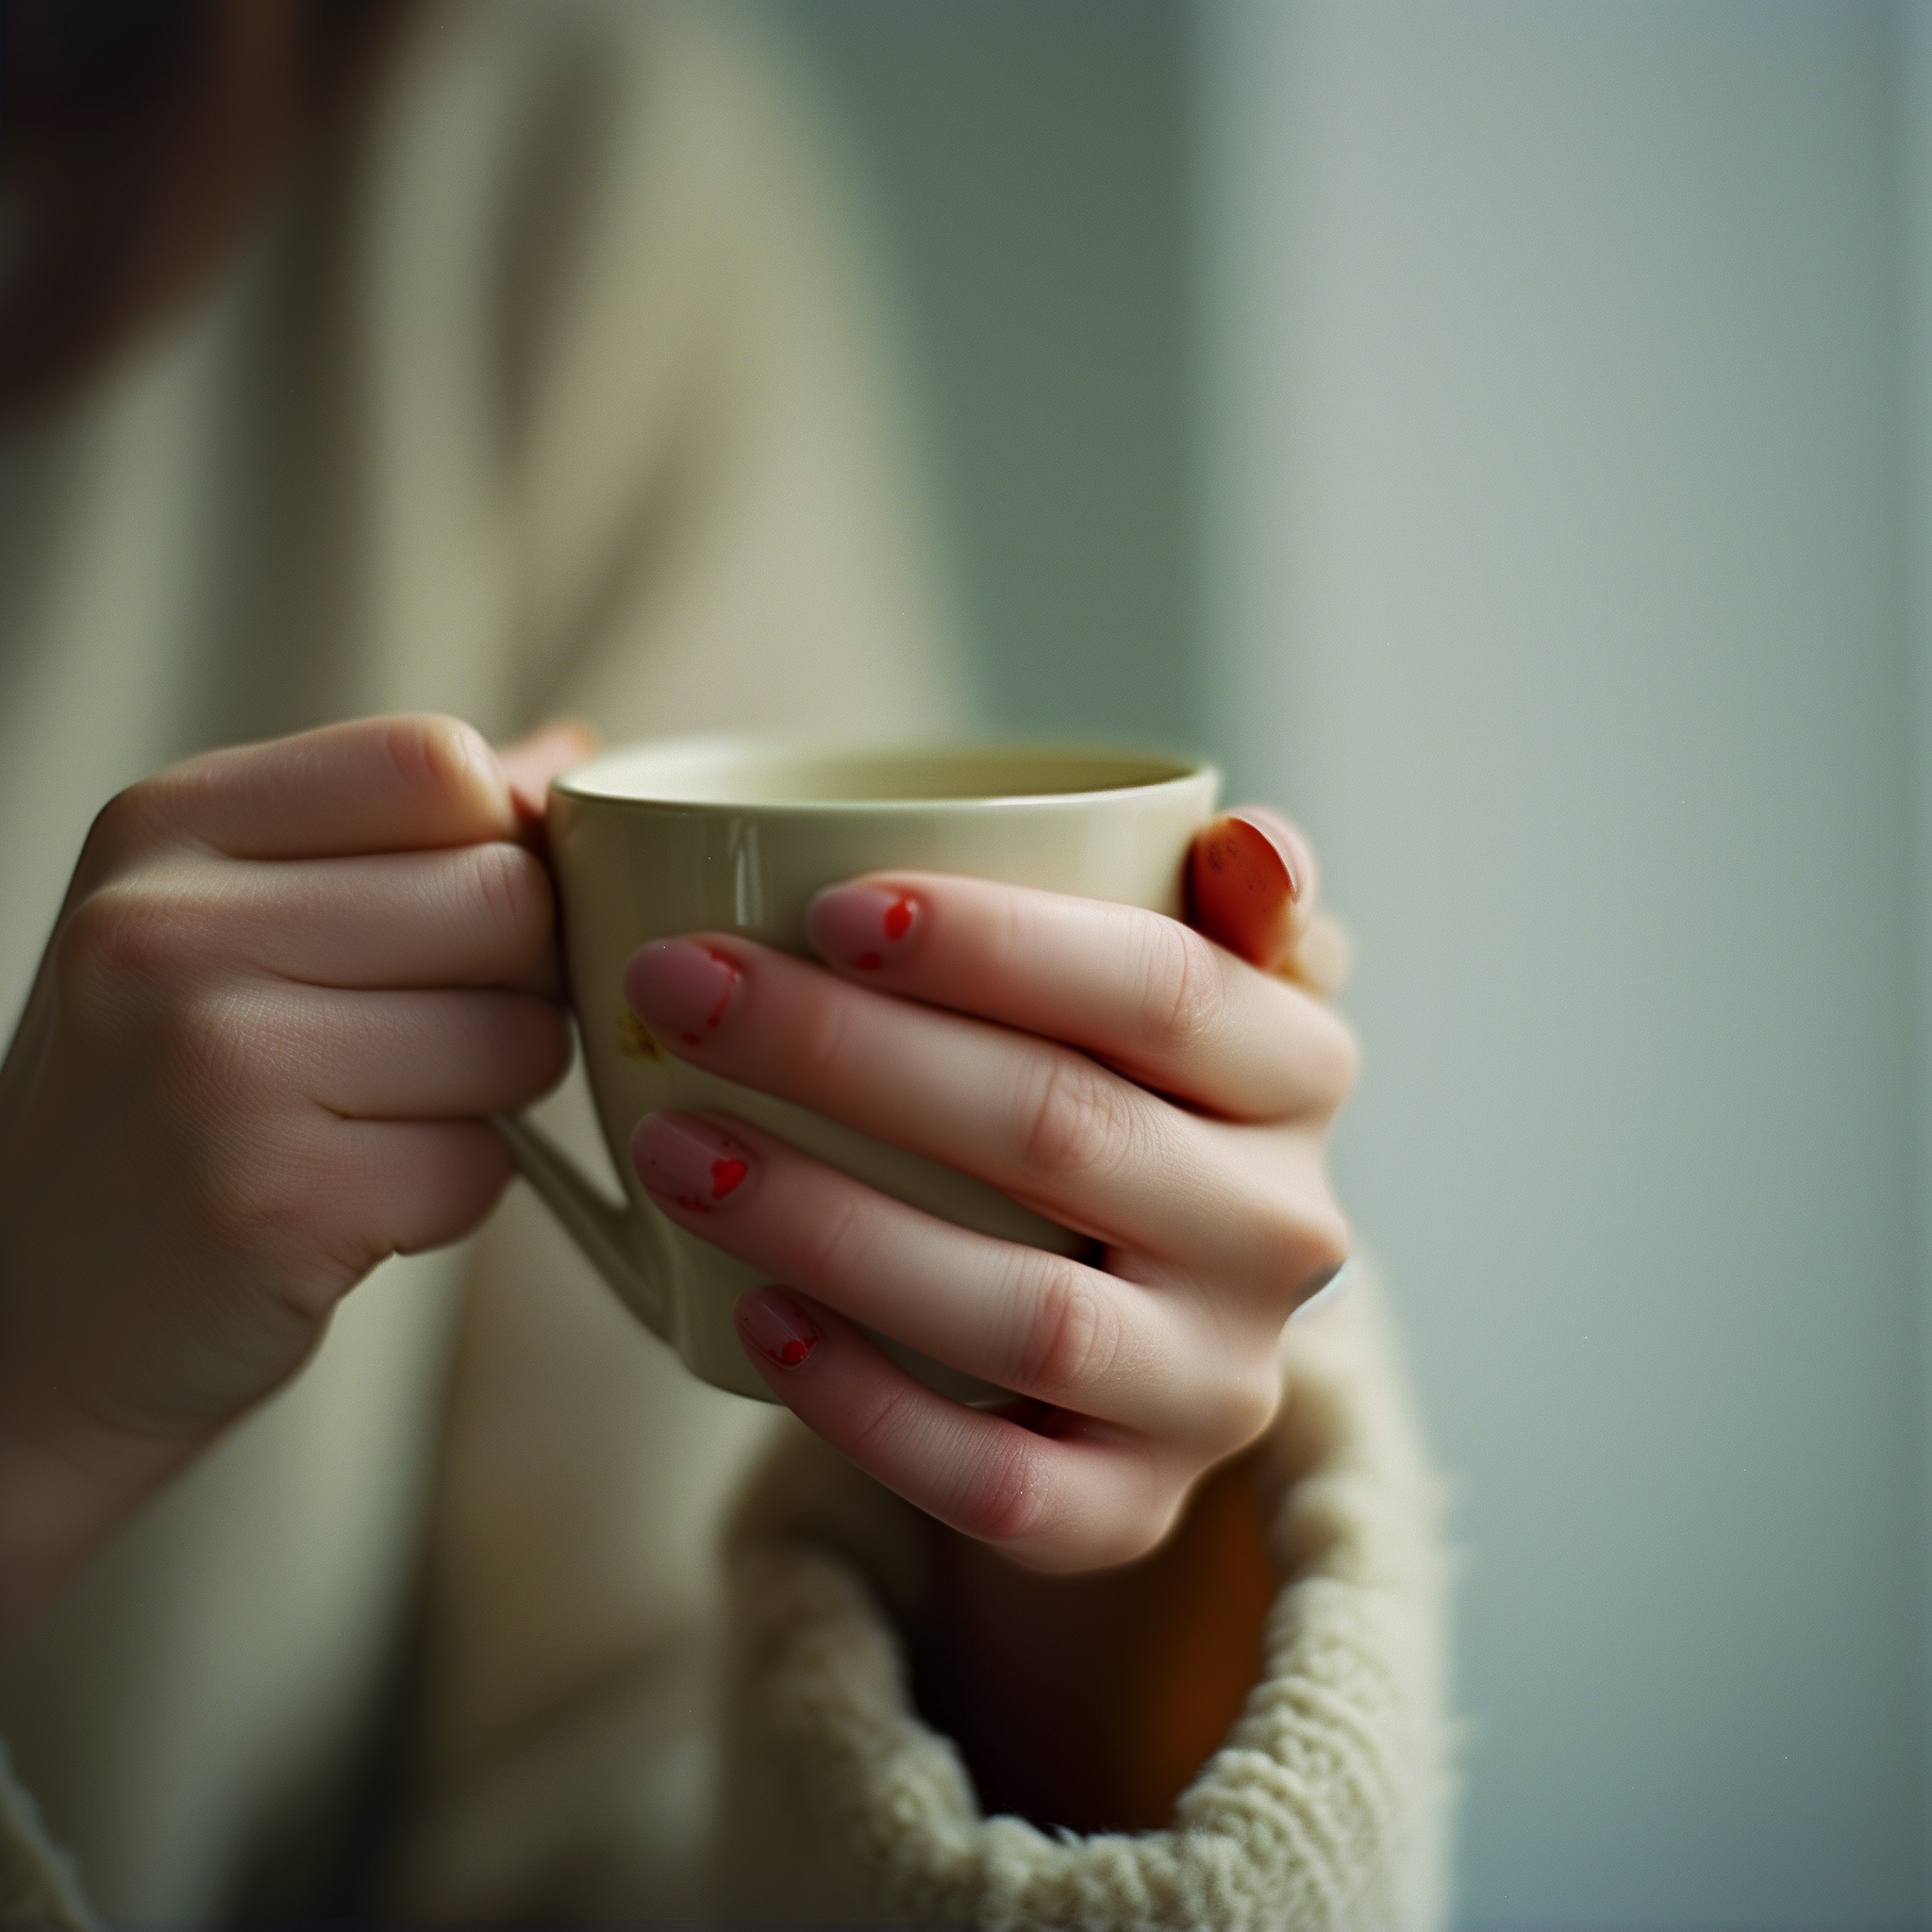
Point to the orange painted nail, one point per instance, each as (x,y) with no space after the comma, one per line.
(1246,871)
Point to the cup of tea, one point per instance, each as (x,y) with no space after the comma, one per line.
(730,834)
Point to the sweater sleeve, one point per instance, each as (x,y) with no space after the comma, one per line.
(712,523)
(751,1750)
(1324,1807)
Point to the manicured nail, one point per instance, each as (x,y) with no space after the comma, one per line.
(688,1159)
(1285,841)
(1248,870)
(774,1325)
(864,926)
(680,988)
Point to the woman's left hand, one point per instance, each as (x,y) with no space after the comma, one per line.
(1120,1072)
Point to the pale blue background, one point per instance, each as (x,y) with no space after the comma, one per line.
(1499,428)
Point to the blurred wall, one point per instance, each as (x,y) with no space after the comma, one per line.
(1560,566)
(1026,162)
(1565,545)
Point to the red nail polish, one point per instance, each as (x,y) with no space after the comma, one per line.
(864,927)
(689,1160)
(1284,838)
(774,1325)
(1245,875)
(681,989)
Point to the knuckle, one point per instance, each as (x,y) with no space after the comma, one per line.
(1323,1249)
(1009,931)
(1299,1244)
(832,1244)
(1182,991)
(208,1050)
(437,756)
(1330,1245)
(1076,1120)
(1293,1237)
(116,948)
(1278,1234)
(129,821)
(823,1015)
(874,1431)
(1072,1339)
(1005,1498)
(512,890)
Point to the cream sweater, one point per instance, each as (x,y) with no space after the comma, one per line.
(557,389)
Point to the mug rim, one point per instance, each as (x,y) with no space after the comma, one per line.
(1166,767)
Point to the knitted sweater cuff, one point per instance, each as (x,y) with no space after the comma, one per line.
(1324,1810)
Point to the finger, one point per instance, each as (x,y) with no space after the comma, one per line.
(1042,1122)
(374,785)
(1144,993)
(477,915)
(1252,883)
(1084,1501)
(450,1055)
(1024,1318)
(532,761)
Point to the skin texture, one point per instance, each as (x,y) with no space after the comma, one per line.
(286,980)
(1128,1077)
(1044,1044)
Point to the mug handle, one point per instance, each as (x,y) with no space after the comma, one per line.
(601,1228)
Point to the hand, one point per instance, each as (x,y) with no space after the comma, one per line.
(1123,1074)
(286,981)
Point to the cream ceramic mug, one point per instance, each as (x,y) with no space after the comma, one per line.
(736,834)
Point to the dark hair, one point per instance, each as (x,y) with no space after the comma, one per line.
(136,138)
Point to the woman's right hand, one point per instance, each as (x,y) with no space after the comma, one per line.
(286,982)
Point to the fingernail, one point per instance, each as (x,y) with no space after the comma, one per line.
(689,1160)
(863,925)
(774,1325)
(681,989)
(1247,870)
(1284,838)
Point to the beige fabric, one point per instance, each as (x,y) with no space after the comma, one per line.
(1324,1811)
(556,390)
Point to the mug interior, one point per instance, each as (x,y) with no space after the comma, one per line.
(714,770)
